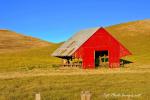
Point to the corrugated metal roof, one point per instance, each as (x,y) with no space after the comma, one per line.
(71,45)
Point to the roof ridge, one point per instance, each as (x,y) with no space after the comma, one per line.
(67,49)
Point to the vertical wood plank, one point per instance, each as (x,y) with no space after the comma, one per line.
(83,96)
(37,96)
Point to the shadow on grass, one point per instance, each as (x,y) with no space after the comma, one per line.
(124,62)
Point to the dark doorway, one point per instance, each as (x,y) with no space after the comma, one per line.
(101,58)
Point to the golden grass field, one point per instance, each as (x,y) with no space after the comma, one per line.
(25,72)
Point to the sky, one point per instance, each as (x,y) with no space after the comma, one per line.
(57,20)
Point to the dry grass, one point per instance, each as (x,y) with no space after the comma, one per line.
(69,87)
(11,41)
(49,71)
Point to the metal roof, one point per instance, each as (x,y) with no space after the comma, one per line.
(71,45)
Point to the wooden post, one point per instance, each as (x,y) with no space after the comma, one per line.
(83,96)
(104,60)
(100,61)
(88,95)
(37,96)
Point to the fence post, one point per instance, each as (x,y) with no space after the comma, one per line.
(83,96)
(88,95)
(37,96)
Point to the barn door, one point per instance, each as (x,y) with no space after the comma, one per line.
(101,58)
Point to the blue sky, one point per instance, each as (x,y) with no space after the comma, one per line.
(57,20)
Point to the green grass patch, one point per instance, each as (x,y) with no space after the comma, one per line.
(28,59)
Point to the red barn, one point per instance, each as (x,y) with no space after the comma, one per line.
(92,45)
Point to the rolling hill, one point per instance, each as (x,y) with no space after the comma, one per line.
(12,41)
(136,37)
(19,52)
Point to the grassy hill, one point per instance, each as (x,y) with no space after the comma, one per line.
(136,37)
(34,58)
(11,41)
(20,52)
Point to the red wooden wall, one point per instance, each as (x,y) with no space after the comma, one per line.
(101,40)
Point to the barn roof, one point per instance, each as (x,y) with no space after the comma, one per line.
(71,45)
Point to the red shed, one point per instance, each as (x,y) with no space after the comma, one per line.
(94,47)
